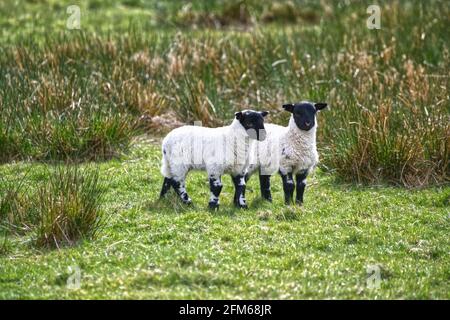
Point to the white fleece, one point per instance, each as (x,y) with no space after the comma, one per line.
(216,150)
(287,149)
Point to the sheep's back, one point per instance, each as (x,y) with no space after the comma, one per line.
(201,148)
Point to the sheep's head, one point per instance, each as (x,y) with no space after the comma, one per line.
(304,113)
(253,123)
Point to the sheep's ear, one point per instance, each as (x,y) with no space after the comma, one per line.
(320,106)
(238,115)
(264,113)
(288,107)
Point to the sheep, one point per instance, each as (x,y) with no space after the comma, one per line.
(289,150)
(216,150)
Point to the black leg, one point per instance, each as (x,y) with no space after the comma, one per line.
(180,189)
(301,184)
(235,198)
(239,193)
(264,184)
(215,185)
(246,178)
(165,187)
(288,187)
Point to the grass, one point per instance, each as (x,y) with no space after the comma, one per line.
(64,208)
(160,249)
(69,207)
(78,189)
(83,95)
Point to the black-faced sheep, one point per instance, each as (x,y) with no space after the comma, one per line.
(289,150)
(216,150)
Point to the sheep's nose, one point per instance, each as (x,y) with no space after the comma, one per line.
(308,123)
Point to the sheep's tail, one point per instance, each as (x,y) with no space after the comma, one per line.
(165,167)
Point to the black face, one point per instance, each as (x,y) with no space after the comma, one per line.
(304,113)
(253,123)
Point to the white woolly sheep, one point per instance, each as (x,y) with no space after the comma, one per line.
(289,150)
(216,150)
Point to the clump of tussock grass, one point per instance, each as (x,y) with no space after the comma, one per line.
(61,211)
(69,207)
(401,136)
(5,244)
(15,205)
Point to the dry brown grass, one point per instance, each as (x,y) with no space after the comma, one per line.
(388,90)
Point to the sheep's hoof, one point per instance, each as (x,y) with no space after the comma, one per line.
(241,206)
(187,202)
(213,206)
(299,203)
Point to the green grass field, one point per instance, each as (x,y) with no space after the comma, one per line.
(153,249)
(99,99)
